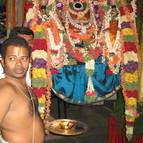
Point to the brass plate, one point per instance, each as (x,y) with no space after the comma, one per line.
(75,129)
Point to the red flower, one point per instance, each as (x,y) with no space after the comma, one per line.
(128,7)
(95,53)
(130,46)
(130,123)
(90,93)
(54,51)
(39,91)
(131,93)
(39,44)
(54,71)
(109,72)
(28,5)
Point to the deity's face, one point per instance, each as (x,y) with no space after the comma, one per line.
(78,5)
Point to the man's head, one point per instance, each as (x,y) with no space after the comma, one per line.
(23,32)
(15,54)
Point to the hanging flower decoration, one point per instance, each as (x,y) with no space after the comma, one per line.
(112,48)
(39,76)
(130,75)
(41,83)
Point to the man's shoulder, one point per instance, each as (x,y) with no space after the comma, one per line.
(6,87)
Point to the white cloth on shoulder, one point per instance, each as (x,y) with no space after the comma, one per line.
(1,72)
(2,140)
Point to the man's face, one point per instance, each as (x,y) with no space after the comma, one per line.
(28,38)
(16,62)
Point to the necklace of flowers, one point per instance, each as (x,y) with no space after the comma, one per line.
(81,54)
(53,14)
(92,49)
(112,51)
(54,31)
(78,23)
(53,28)
(76,34)
(53,45)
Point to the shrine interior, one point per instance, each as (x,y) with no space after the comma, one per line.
(86,66)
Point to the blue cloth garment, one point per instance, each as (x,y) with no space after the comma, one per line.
(71,81)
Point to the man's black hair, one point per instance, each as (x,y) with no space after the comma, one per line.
(14,41)
(21,30)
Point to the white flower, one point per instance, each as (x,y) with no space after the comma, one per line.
(129,132)
(124,19)
(41,109)
(30,14)
(130,56)
(52,40)
(40,54)
(89,65)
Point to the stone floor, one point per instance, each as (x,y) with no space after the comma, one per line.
(95,116)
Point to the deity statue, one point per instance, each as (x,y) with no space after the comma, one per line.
(84,50)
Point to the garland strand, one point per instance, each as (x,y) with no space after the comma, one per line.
(130,75)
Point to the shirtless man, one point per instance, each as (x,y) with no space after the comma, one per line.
(19,118)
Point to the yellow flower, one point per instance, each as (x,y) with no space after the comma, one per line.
(130,119)
(39,73)
(128,31)
(131,77)
(38,28)
(131,101)
(42,99)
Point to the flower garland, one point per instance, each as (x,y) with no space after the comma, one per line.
(112,48)
(141,84)
(130,75)
(41,82)
(54,37)
(76,37)
(39,77)
(79,34)
(90,94)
